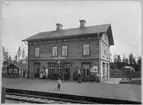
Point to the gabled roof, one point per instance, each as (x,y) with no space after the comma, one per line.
(71,32)
(19,65)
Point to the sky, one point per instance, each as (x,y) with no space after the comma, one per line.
(22,19)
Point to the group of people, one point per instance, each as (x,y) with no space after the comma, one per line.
(44,73)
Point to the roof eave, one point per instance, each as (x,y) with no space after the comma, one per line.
(110,36)
(68,36)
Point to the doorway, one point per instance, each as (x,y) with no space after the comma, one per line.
(67,71)
(59,71)
(86,71)
(37,70)
(51,74)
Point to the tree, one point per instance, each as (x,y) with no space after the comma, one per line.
(9,59)
(119,62)
(19,52)
(118,58)
(134,64)
(115,58)
(131,59)
(139,64)
(26,59)
(3,52)
(126,61)
(15,58)
(23,54)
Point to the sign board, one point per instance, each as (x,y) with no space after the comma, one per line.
(94,70)
(59,58)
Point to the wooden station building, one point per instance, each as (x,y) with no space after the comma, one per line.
(62,51)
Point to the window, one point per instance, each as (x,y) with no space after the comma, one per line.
(37,52)
(10,71)
(85,49)
(54,51)
(64,50)
(15,70)
(59,69)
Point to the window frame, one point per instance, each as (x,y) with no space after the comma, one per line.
(15,71)
(53,54)
(83,49)
(64,50)
(37,52)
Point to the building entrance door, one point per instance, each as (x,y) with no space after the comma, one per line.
(51,73)
(67,71)
(59,71)
(37,70)
(86,71)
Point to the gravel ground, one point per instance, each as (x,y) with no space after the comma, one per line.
(113,91)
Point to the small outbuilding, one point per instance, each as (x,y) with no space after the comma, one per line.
(128,69)
(17,69)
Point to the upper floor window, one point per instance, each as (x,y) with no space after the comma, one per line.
(37,52)
(54,51)
(85,49)
(64,50)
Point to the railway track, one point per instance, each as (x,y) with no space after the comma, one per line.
(26,98)
(58,98)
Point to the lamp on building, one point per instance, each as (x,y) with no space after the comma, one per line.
(58,62)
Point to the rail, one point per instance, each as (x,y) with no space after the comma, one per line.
(45,97)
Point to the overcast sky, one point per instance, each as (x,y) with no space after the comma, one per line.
(24,19)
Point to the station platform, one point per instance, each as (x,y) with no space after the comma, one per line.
(111,91)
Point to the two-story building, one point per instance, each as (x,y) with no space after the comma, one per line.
(64,50)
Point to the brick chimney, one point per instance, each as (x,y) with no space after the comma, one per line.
(82,23)
(59,26)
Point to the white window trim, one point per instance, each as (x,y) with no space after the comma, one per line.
(54,51)
(64,50)
(86,49)
(37,52)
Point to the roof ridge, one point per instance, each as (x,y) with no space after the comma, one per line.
(69,32)
(72,28)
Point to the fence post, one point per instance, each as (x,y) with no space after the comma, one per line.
(3,95)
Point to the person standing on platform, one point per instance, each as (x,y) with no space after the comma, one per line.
(78,74)
(41,74)
(59,84)
(47,73)
(44,73)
